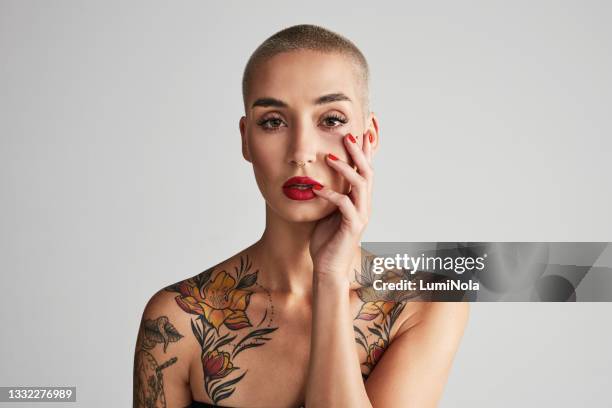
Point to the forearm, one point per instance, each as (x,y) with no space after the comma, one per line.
(334,377)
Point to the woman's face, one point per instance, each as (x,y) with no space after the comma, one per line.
(301,105)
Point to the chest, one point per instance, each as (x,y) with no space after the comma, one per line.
(266,364)
(272,374)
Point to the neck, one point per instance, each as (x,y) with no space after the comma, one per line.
(284,255)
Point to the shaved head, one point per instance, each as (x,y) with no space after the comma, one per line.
(313,38)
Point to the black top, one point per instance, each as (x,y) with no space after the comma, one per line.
(198,404)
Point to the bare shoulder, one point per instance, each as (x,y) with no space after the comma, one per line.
(426,342)
(163,354)
(443,318)
(192,324)
(164,323)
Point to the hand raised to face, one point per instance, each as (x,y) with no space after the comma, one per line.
(336,237)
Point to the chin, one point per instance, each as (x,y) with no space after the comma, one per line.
(302,211)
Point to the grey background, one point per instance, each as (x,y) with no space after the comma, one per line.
(120,144)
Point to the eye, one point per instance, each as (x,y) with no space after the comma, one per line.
(270,123)
(334,120)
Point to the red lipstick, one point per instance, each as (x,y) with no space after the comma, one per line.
(300,188)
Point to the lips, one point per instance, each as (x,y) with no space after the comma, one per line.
(300,188)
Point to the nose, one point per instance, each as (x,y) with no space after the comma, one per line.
(303,145)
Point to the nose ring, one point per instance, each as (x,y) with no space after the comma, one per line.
(299,163)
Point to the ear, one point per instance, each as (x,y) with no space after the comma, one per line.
(245,147)
(372,126)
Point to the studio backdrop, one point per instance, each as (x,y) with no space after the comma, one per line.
(119,140)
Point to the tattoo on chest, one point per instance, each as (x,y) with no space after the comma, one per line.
(148,377)
(223,327)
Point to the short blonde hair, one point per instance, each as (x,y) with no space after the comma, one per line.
(308,37)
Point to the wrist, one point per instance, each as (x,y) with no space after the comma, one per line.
(325,280)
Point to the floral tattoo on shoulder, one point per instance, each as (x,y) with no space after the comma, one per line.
(220,300)
(378,314)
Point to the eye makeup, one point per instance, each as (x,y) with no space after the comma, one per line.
(272,122)
(336,117)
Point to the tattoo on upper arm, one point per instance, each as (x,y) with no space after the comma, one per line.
(148,377)
(222,327)
(377,316)
(380,317)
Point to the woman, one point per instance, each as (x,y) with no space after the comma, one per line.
(287,322)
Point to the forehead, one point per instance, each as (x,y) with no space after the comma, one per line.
(302,76)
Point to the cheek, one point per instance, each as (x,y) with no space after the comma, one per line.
(266,171)
(265,154)
(265,145)
(265,158)
(333,142)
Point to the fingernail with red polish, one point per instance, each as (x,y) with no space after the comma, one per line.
(317,187)
(351,138)
(370,137)
(331,156)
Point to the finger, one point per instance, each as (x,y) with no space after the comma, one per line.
(362,195)
(358,156)
(359,189)
(344,203)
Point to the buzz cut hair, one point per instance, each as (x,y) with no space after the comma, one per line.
(314,38)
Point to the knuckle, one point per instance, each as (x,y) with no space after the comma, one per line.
(344,200)
(336,197)
(363,182)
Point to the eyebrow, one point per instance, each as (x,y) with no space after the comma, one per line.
(277,103)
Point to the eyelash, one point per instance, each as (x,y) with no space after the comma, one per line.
(266,120)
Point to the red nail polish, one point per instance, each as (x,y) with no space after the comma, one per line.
(317,187)
(331,156)
(370,137)
(351,138)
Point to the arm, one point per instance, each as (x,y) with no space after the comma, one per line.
(161,362)
(413,370)
(334,376)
